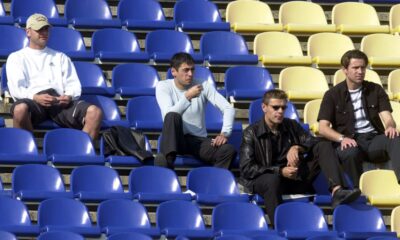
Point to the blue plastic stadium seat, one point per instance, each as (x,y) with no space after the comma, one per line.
(92,79)
(117,45)
(17,146)
(143,15)
(4,19)
(129,235)
(70,42)
(12,39)
(181,218)
(152,184)
(90,14)
(22,9)
(161,45)
(199,16)
(7,236)
(58,235)
(122,216)
(214,120)
(135,79)
(71,147)
(34,182)
(226,48)
(144,114)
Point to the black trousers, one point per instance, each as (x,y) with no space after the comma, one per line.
(175,142)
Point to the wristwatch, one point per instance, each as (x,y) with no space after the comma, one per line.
(341,138)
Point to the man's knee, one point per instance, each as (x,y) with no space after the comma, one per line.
(20,111)
(268,183)
(227,150)
(93,114)
(351,153)
(172,117)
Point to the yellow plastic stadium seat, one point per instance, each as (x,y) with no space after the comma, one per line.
(310,114)
(383,50)
(251,16)
(396,113)
(394,84)
(395,221)
(357,18)
(380,187)
(394,18)
(304,17)
(279,48)
(303,83)
(326,49)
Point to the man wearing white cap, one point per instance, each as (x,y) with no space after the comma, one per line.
(44,85)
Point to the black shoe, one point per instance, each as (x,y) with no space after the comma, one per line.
(162,161)
(343,196)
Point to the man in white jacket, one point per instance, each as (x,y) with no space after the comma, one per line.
(44,85)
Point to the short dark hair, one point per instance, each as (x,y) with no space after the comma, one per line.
(357,54)
(276,94)
(179,58)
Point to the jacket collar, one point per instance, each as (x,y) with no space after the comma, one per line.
(263,129)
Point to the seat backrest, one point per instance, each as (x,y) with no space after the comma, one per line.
(37,177)
(201,73)
(211,180)
(394,81)
(249,12)
(196,11)
(13,38)
(153,179)
(129,235)
(143,108)
(90,74)
(89,9)
(95,179)
(107,105)
(17,141)
(370,75)
(248,77)
(256,112)
(380,45)
(66,39)
(238,215)
(277,44)
(114,40)
(301,12)
(395,220)
(122,213)
(379,182)
(179,214)
(329,45)
(13,212)
(219,42)
(168,41)
(287,217)
(148,10)
(303,79)
(63,212)
(56,235)
(394,16)
(68,141)
(135,75)
(311,110)
(25,8)
(343,13)
(7,236)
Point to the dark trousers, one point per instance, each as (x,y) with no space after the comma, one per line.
(174,141)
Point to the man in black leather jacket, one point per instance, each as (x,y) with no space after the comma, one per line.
(278,156)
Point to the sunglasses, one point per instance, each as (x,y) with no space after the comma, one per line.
(277,107)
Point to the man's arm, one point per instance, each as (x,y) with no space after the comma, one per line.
(71,84)
(326,131)
(16,80)
(164,100)
(389,123)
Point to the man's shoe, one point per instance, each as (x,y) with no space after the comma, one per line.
(343,196)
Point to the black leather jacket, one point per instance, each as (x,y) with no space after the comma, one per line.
(256,153)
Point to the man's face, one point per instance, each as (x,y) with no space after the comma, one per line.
(38,38)
(183,75)
(355,72)
(274,111)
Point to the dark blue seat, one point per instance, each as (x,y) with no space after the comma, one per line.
(70,42)
(121,216)
(144,114)
(213,185)
(247,82)
(7,236)
(89,14)
(22,9)
(57,235)
(64,214)
(214,120)
(12,39)
(17,146)
(117,45)
(4,19)
(96,184)
(129,235)
(198,16)
(143,15)
(161,45)
(155,184)
(181,218)
(34,182)
(135,79)
(92,80)
(71,147)
(225,48)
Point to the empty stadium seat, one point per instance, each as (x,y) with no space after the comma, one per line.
(64,214)
(70,42)
(393,83)
(199,16)
(117,45)
(129,235)
(181,218)
(96,184)
(155,184)
(364,22)
(34,182)
(303,17)
(326,49)
(395,220)
(4,18)
(382,49)
(227,48)
(310,114)
(7,236)
(394,19)
(13,39)
(143,15)
(279,48)
(144,114)
(251,16)
(20,10)
(57,235)
(256,113)
(92,79)
(135,79)
(71,147)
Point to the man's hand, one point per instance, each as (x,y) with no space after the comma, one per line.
(347,143)
(391,132)
(193,92)
(45,99)
(219,140)
(64,100)
(289,172)
(293,156)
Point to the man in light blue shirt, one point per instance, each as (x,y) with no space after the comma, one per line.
(183,101)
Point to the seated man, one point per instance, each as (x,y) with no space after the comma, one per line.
(278,156)
(44,85)
(183,101)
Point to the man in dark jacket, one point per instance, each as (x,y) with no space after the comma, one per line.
(278,156)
